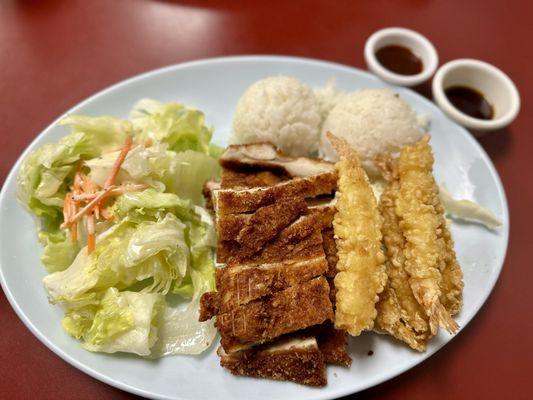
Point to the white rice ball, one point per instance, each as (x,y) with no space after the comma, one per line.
(281,110)
(372,121)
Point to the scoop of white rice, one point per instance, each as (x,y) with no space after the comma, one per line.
(372,121)
(281,110)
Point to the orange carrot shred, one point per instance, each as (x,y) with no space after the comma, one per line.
(91,237)
(88,208)
(118,162)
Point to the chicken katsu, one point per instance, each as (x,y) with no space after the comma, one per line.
(275,236)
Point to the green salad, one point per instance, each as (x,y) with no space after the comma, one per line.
(118,206)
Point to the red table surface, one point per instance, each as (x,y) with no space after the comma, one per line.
(54,54)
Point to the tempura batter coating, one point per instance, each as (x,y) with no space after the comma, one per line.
(357,224)
(417,206)
(452,276)
(399,313)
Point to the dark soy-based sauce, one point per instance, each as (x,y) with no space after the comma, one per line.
(400,60)
(470,101)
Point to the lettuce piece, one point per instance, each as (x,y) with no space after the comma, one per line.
(45,174)
(125,254)
(182,173)
(59,250)
(151,204)
(185,173)
(181,128)
(121,322)
(138,167)
(103,133)
(180,331)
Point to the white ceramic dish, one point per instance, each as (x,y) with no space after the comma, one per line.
(214,86)
(494,84)
(414,41)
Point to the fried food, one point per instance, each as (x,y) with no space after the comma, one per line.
(267,222)
(357,224)
(267,156)
(289,310)
(399,313)
(293,359)
(232,201)
(422,223)
(241,283)
(452,276)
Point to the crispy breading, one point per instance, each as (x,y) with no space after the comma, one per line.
(289,310)
(298,360)
(209,305)
(421,223)
(248,179)
(267,222)
(333,343)
(357,224)
(330,249)
(240,284)
(452,276)
(231,201)
(290,241)
(399,313)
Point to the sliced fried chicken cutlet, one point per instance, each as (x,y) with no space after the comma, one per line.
(275,238)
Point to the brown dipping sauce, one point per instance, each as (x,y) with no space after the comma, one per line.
(399,59)
(470,101)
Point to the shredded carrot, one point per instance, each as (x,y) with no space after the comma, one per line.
(106,214)
(118,162)
(91,236)
(148,142)
(88,208)
(86,191)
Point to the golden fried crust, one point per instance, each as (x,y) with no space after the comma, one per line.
(248,179)
(418,207)
(333,344)
(267,222)
(231,201)
(291,242)
(207,192)
(240,284)
(330,249)
(452,276)
(399,313)
(305,366)
(357,227)
(209,306)
(292,309)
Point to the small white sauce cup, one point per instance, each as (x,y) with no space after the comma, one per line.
(491,82)
(412,40)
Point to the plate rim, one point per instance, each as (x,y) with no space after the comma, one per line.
(243,58)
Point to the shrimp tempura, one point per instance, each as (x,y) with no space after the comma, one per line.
(357,224)
(418,207)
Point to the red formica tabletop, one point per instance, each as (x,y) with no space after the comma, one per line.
(55,53)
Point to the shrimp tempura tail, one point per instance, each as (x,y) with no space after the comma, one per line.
(357,226)
(399,313)
(418,207)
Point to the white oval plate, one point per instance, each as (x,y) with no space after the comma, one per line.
(214,86)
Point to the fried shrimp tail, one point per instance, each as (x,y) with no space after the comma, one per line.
(357,225)
(399,313)
(419,209)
